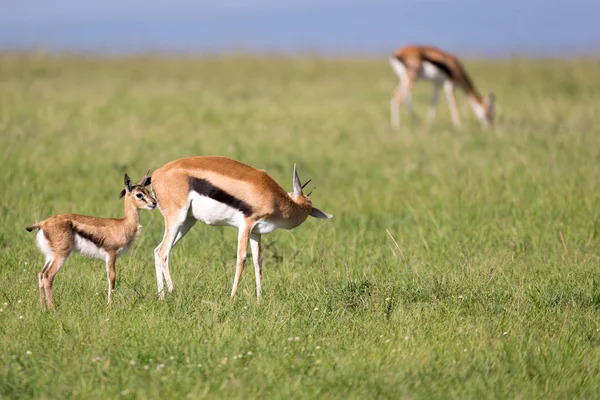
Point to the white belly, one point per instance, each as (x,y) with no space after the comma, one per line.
(88,248)
(212,212)
(432,73)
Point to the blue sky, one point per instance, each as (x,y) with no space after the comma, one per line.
(338,27)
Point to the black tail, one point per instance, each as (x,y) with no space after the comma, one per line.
(31,227)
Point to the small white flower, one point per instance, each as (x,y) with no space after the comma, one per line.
(465,350)
(107,319)
(297,338)
(199,365)
(245,307)
(19,301)
(132,362)
(316,308)
(505,333)
(249,353)
(461,297)
(28,352)
(26,263)
(318,348)
(235,357)
(290,339)
(1,309)
(21,317)
(5,303)
(405,337)
(387,299)
(160,366)
(388,340)
(171,358)
(146,367)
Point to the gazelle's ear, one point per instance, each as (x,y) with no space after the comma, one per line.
(145,180)
(296,183)
(315,212)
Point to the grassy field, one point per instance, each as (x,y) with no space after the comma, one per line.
(492,292)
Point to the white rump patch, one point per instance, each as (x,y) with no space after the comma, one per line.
(43,245)
(398,68)
(212,212)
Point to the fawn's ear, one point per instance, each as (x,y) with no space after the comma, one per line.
(315,212)
(127,183)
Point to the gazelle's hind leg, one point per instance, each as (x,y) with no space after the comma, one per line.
(243,236)
(433,105)
(49,275)
(41,282)
(257,258)
(175,228)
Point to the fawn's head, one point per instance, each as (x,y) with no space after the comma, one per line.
(138,194)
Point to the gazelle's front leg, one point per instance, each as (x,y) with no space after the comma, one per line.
(257,259)
(243,236)
(163,250)
(111,274)
(449,90)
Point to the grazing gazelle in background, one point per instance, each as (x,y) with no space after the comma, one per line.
(104,238)
(412,63)
(224,192)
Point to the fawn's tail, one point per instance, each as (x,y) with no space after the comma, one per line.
(32,227)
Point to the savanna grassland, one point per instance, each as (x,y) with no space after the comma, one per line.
(492,291)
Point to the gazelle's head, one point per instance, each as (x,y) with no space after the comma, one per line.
(303,200)
(489,106)
(137,193)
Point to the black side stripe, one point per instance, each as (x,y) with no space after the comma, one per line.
(440,65)
(205,188)
(99,242)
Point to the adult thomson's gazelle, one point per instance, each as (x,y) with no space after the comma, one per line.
(412,63)
(104,238)
(224,192)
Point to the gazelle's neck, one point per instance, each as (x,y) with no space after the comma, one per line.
(297,211)
(132,214)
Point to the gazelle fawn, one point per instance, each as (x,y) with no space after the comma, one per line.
(220,191)
(104,238)
(444,70)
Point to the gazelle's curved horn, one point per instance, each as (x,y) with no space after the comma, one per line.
(296,183)
(145,180)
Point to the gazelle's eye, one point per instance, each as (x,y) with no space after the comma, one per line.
(139,196)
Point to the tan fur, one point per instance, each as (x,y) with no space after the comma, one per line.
(113,236)
(269,202)
(413,58)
